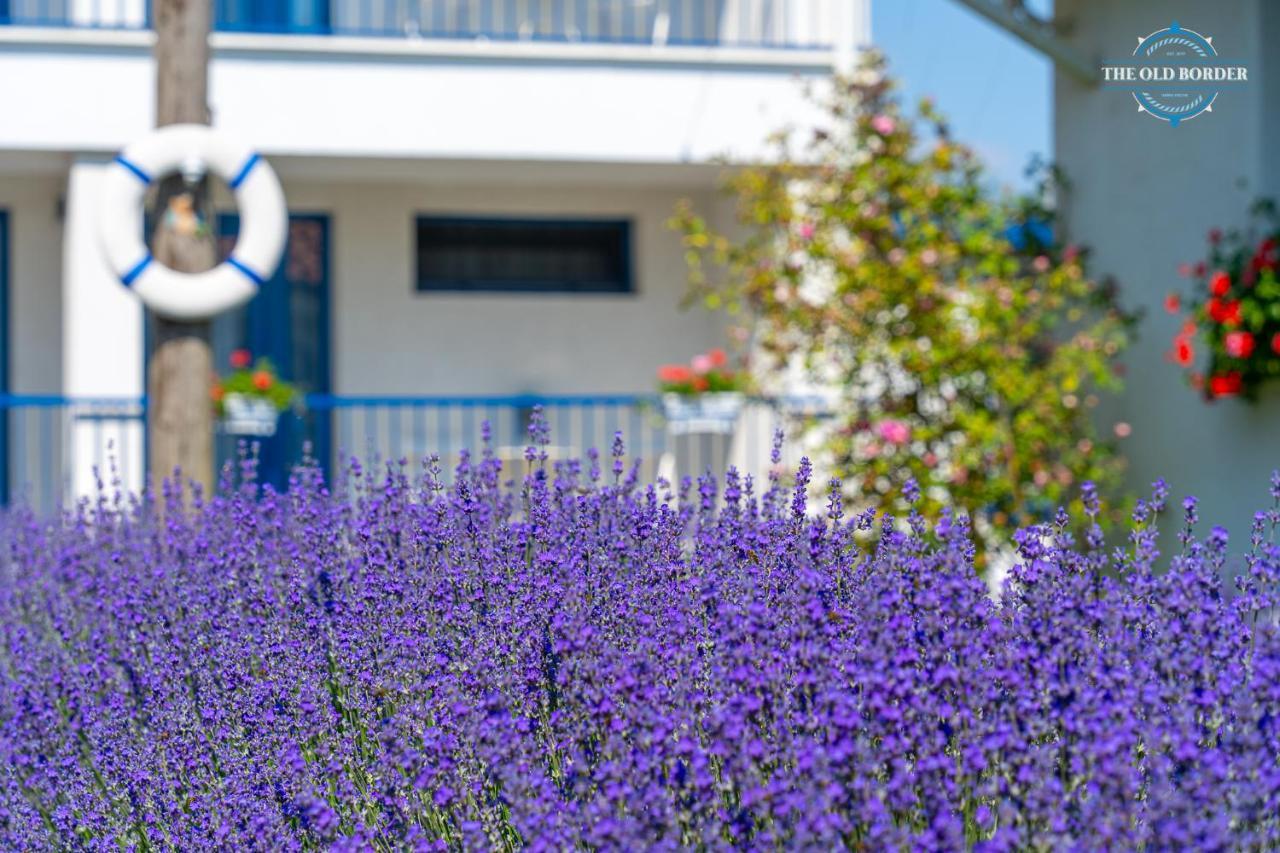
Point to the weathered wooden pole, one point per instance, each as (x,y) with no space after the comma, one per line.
(179,376)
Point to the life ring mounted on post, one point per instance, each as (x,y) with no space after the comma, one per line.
(263,221)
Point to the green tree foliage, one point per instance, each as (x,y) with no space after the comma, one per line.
(967,345)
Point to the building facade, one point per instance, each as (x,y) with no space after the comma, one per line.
(1143,197)
(416,143)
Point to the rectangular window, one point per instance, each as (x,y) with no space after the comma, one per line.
(523,255)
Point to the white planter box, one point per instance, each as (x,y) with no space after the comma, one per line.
(243,415)
(711,412)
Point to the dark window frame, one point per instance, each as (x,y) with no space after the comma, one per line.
(619,228)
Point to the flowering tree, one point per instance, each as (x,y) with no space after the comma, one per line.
(966,344)
(1234,311)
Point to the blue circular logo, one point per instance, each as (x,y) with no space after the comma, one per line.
(1178,58)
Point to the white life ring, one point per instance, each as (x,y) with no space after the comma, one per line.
(263,221)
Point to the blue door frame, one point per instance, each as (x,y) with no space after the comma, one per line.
(288,322)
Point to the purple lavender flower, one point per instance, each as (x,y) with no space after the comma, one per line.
(548,661)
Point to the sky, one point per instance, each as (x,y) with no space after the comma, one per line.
(996,92)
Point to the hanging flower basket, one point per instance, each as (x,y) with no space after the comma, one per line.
(1233,313)
(714,411)
(245,415)
(250,400)
(702,396)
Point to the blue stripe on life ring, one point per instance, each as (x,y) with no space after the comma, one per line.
(244,171)
(137,170)
(248,273)
(131,275)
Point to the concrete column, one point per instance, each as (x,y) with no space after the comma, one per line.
(102,340)
(851,30)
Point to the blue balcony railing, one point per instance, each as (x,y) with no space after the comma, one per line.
(54,449)
(797,24)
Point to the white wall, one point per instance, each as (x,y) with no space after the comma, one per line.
(93,91)
(389,339)
(1144,196)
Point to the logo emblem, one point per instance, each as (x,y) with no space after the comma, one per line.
(1175,74)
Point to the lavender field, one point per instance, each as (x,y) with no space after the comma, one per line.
(561,657)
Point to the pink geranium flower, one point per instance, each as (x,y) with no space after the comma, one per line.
(883,125)
(894,432)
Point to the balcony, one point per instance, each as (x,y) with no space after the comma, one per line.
(769,24)
(665,82)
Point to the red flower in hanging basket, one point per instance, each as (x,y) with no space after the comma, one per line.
(240,359)
(1220,283)
(1233,314)
(257,380)
(1225,384)
(1238,344)
(1226,313)
(705,372)
(1182,351)
(674,373)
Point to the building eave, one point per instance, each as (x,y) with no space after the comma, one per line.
(1039,34)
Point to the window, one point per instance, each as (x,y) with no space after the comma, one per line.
(524,255)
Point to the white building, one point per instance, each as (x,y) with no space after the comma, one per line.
(1143,197)
(395,127)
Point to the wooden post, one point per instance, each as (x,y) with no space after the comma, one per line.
(179,376)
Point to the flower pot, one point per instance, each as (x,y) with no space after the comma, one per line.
(245,415)
(711,412)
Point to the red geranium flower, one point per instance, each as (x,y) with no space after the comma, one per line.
(1267,253)
(674,373)
(1227,313)
(1225,384)
(1275,343)
(718,358)
(1231,313)
(262,380)
(1172,303)
(1220,283)
(1238,344)
(1182,351)
(240,358)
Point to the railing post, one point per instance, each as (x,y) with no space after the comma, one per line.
(852,28)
